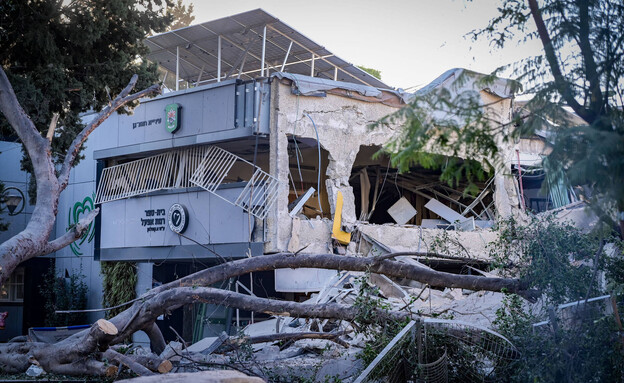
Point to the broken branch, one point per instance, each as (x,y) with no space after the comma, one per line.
(389,268)
(235,342)
(71,235)
(122,99)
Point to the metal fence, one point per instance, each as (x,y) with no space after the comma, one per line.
(438,350)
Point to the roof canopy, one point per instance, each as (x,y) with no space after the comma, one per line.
(235,45)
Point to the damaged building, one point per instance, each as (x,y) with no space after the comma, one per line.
(263,144)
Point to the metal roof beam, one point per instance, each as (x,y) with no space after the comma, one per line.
(175,55)
(312,52)
(203,51)
(268,25)
(291,63)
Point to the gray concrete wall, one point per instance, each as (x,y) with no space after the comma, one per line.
(125,223)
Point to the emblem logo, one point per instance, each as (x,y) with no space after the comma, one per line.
(172,118)
(178,218)
(75,212)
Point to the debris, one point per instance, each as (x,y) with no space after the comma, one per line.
(465,224)
(35,370)
(337,233)
(297,204)
(172,349)
(402,211)
(388,287)
(207,346)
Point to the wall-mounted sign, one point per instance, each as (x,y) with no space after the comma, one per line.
(178,218)
(154,220)
(172,117)
(140,124)
(76,212)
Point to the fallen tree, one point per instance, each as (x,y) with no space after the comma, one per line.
(87,352)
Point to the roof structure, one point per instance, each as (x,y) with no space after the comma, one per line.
(235,46)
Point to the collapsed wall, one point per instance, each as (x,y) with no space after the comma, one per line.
(337,124)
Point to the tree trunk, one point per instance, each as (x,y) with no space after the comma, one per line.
(34,240)
(83,351)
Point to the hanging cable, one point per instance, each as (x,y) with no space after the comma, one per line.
(297,151)
(318,179)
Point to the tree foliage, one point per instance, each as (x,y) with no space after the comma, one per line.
(64,293)
(580,69)
(119,281)
(181,15)
(3,225)
(70,57)
(373,72)
(578,343)
(449,128)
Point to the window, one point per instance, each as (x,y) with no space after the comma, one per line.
(13,289)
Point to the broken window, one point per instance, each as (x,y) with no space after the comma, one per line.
(383,195)
(541,191)
(307,170)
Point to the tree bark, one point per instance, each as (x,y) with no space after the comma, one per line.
(387,267)
(235,342)
(127,361)
(143,313)
(561,82)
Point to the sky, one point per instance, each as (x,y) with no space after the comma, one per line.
(410,42)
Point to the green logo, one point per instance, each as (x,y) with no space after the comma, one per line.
(81,208)
(172,117)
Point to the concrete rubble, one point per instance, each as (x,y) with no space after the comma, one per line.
(322,359)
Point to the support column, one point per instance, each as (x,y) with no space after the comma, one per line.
(263,51)
(144,283)
(178,68)
(219,59)
(286,57)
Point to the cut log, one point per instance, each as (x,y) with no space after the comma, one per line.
(128,361)
(154,363)
(165,367)
(106,327)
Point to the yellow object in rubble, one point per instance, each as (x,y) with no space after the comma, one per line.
(341,236)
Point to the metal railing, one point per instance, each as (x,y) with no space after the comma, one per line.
(205,166)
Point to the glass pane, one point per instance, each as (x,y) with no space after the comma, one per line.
(19,292)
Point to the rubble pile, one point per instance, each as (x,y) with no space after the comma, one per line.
(281,348)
